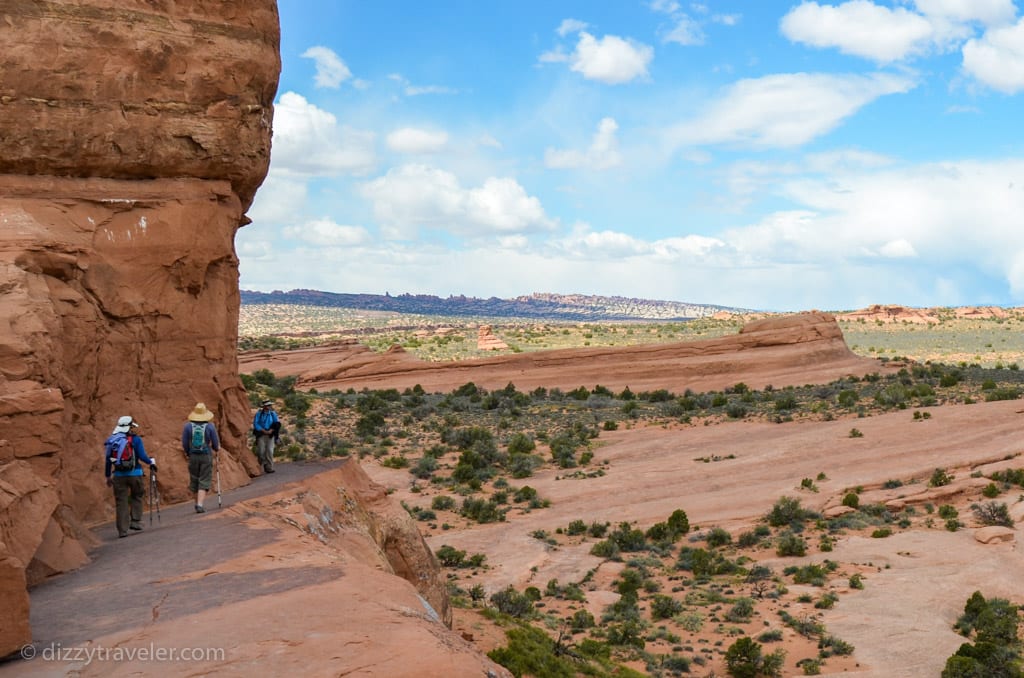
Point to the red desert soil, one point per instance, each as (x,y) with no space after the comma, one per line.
(919,580)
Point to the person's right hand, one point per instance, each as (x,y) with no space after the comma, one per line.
(110,481)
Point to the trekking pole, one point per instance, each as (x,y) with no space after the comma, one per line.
(152,491)
(156,493)
(216,466)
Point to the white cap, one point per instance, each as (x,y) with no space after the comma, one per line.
(123,424)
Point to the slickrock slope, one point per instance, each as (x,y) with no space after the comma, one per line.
(134,137)
(293,579)
(781,351)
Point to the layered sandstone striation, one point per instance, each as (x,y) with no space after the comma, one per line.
(134,137)
(785,350)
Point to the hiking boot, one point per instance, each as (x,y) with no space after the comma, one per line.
(268,469)
(135,526)
(200,509)
(122,535)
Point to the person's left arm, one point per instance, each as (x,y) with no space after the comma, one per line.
(140,451)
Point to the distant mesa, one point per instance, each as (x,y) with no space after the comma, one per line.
(891,313)
(541,306)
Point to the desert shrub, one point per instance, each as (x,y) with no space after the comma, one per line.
(744,659)
(610,425)
(718,537)
(851,499)
(424,467)
(747,539)
(939,478)
(812,574)
(522,465)
(449,556)
(736,411)
(605,549)
(856,433)
(771,636)
(580,620)
(847,398)
(882,533)
(704,563)
(993,513)
(370,424)
(511,602)
(856,581)
(1011,476)
(664,607)
(790,544)
(787,511)
(678,522)
(831,645)
(597,530)
(628,539)
(531,652)
(482,511)
(520,443)
(785,401)
(741,611)
(991,491)
(442,502)
(947,511)
(576,527)
(1003,393)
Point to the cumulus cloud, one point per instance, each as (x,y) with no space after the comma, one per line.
(414,196)
(309,140)
(685,31)
(611,59)
(327,233)
(785,110)
(602,154)
(997,58)
(331,71)
(412,140)
(860,28)
(281,197)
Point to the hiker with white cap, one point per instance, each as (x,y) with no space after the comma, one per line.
(122,452)
(265,426)
(199,442)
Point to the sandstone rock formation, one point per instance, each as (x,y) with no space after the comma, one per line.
(892,313)
(134,137)
(487,341)
(785,350)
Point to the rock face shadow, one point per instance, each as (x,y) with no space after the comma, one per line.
(134,582)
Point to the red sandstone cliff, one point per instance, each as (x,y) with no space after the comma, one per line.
(134,137)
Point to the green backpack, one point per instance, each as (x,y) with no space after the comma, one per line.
(198,439)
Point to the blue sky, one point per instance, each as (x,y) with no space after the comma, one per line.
(772,155)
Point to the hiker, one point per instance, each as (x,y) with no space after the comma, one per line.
(122,453)
(265,426)
(200,443)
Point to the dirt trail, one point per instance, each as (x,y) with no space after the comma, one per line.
(124,586)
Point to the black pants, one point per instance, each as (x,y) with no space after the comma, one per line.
(128,494)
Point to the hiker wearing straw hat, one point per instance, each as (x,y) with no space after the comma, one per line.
(199,442)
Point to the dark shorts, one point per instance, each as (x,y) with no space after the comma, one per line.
(200,471)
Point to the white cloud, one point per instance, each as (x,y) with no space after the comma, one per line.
(898,249)
(860,28)
(988,12)
(665,6)
(411,90)
(570,26)
(412,140)
(326,233)
(331,71)
(488,141)
(686,31)
(785,110)
(602,154)
(414,196)
(997,58)
(278,200)
(308,140)
(611,59)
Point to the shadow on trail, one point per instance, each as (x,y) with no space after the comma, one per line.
(130,582)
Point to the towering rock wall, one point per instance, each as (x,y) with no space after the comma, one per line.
(133,136)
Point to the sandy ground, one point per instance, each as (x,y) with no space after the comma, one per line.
(916,581)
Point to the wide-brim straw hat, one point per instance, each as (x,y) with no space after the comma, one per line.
(200,413)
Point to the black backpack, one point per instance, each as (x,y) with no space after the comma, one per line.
(121,452)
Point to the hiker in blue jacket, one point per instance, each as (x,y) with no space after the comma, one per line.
(127,484)
(265,426)
(199,442)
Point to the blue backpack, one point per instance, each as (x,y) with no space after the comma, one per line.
(121,452)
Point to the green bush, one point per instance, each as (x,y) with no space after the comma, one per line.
(530,652)
(718,537)
(790,544)
(744,659)
(851,499)
(787,511)
(664,607)
(940,478)
(511,602)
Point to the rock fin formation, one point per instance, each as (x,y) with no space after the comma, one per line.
(134,137)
